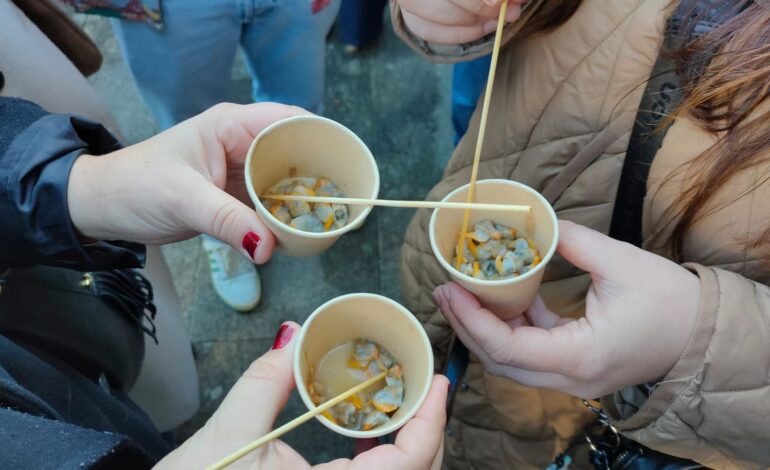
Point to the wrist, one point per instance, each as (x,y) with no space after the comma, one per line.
(84,198)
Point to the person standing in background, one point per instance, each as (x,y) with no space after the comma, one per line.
(361,23)
(184,66)
(468,81)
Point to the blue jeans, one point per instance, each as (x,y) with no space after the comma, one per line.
(361,21)
(185,68)
(468,80)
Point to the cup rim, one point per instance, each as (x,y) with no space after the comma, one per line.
(312,235)
(392,425)
(495,282)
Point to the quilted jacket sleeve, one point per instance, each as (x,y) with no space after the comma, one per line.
(459,52)
(714,405)
(37,151)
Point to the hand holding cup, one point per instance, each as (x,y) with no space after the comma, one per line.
(640,312)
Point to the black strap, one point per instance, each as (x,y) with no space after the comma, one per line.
(661,96)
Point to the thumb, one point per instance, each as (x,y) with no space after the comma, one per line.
(260,394)
(225,218)
(249,409)
(592,251)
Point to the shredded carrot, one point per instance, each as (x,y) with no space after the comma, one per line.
(328,415)
(356,401)
(475,268)
(354,364)
(499,264)
(472,247)
(385,408)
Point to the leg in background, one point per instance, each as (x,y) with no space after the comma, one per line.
(185,68)
(468,80)
(285,49)
(360,22)
(167,388)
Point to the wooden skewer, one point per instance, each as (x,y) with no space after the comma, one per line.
(392,203)
(294,423)
(482,126)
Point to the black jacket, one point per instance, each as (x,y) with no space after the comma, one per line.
(50,415)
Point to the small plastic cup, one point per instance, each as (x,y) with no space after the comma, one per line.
(317,147)
(379,319)
(506,298)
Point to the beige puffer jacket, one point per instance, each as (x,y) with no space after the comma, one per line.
(557,93)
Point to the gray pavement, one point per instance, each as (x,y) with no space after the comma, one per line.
(399,105)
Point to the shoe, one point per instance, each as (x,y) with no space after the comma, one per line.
(235,277)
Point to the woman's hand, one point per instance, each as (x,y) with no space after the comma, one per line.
(455,21)
(248,412)
(184,181)
(640,311)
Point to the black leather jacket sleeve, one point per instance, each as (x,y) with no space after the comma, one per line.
(37,151)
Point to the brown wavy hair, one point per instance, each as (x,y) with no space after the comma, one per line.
(722,56)
(550,15)
(725,78)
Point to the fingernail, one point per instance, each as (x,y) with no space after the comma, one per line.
(250,243)
(282,338)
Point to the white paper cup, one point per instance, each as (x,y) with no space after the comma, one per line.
(379,319)
(506,298)
(317,147)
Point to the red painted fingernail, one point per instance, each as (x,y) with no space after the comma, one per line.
(282,338)
(250,243)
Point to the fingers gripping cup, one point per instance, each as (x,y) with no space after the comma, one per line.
(359,322)
(310,147)
(511,296)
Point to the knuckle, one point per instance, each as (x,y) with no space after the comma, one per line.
(262,371)
(500,354)
(224,219)
(222,108)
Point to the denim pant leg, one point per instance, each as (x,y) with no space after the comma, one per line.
(285,48)
(361,21)
(468,80)
(185,68)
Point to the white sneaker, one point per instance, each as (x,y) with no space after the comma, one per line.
(235,277)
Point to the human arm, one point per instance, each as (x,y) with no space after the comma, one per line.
(37,152)
(251,406)
(68,190)
(702,335)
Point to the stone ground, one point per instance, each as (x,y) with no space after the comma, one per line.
(399,105)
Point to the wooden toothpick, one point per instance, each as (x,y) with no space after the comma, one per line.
(393,203)
(275,434)
(482,128)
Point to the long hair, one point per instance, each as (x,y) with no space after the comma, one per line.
(725,77)
(722,56)
(550,14)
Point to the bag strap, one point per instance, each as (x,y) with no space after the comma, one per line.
(64,33)
(661,96)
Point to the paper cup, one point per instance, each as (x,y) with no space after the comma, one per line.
(506,298)
(379,319)
(317,147)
